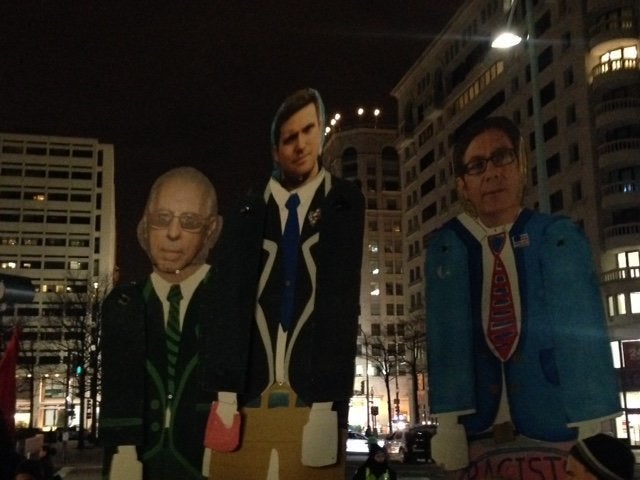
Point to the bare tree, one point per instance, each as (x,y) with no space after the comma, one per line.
(414,357)
(79,320)
(382,356)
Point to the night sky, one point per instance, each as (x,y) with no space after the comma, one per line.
(197,83)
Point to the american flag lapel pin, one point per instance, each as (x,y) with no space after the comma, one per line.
(520,241)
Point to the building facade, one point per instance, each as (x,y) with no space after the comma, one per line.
(57,228)
(366,154)
(588,77)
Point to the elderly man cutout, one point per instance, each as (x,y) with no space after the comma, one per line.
(154,409)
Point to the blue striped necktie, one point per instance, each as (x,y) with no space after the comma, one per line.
(290,246)
(173,336)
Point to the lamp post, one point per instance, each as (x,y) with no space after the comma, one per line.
(508,39)
(366,377)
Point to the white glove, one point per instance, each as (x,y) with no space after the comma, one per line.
(227,407)
(449,447)
(125,464)
(222,433)
(320,436)
(588,429)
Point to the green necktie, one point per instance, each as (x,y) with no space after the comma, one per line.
(173,336)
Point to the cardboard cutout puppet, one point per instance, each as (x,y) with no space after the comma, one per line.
(290,257)
(154,409)
(518,352)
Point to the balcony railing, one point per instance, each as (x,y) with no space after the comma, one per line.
(615,65)
(617,104)
(630,186)
(619,145)
(621,26)
(620,274)
(624,229)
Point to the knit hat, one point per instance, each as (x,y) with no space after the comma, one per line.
(605,457)
(375,448)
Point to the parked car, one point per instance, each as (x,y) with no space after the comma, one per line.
(411,445)
(357,443)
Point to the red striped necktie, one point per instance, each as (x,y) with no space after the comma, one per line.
(502,328)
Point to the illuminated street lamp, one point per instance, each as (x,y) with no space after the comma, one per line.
(507,39)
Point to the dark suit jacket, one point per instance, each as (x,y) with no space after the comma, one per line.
(134,366)
(322,342)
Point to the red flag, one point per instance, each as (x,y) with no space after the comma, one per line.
(8,382)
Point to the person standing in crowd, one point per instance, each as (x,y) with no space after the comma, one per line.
(600,457)
(376,467)
(154,409)
(514,315)
(291,255)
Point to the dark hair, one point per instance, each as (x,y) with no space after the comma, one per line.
(292,104)
(605,456)
(503,124)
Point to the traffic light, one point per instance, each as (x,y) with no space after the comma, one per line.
(78,367)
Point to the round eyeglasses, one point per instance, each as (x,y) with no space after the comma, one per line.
(499,158)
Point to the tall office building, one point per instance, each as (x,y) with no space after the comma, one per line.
(365,154)
(588,74)
(57,227)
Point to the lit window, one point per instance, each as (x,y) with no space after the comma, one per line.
(375,269)
(611,305)
(375,289)
(373,247)
(622,260)
(634,299)
(622,308)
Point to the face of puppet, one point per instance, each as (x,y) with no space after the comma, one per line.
(496,193)
(299,147)
(179,225)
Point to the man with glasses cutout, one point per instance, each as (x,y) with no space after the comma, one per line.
(517,343)
(154,408)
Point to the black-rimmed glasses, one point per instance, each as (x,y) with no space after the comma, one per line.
(499,158)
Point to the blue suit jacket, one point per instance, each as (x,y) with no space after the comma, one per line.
(561,371)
